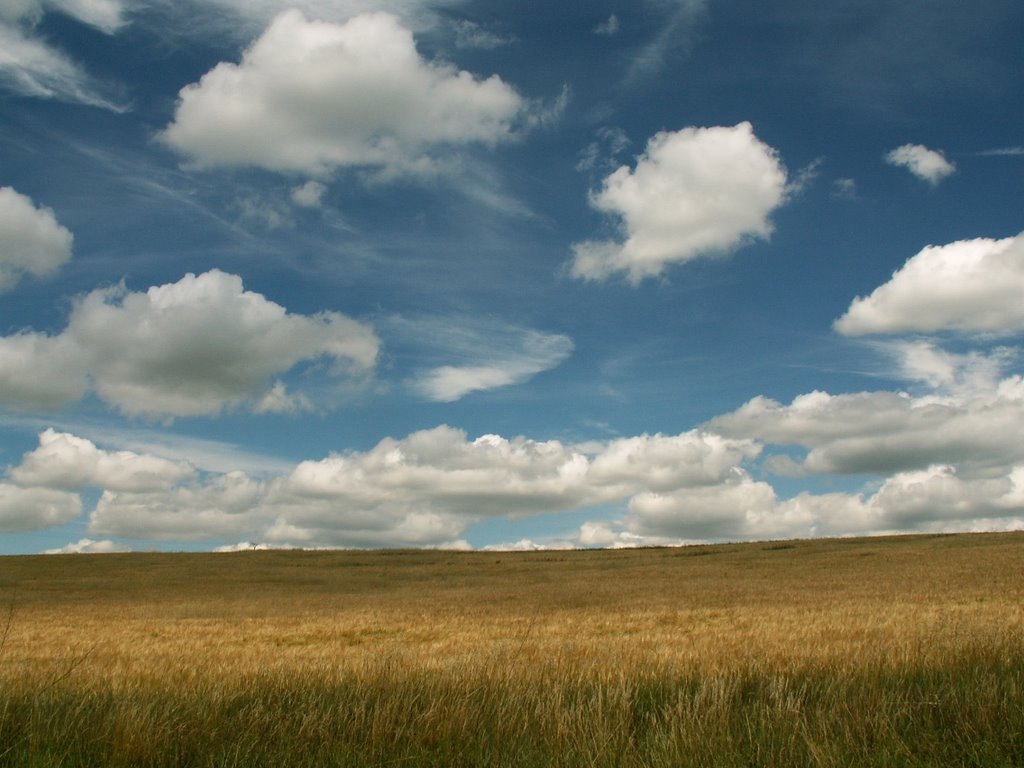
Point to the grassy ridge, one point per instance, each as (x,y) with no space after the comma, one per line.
(878,652)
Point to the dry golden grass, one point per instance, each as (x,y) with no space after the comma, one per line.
(784,604)
(546,631)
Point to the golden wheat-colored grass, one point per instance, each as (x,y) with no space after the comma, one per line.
(817,602)
(428,650)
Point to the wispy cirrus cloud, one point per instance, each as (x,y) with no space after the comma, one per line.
(31,66)
(1002,152)
(678,19)
(459,355)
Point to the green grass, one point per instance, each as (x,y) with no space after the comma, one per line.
(968,714)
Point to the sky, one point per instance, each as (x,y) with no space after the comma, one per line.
(480,274)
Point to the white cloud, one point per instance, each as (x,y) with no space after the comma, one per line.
(31,67)
(309,195)
(40,371)
(422,490)
(528,545)
(723,511)
(968,374)
(205,455)
(668,462)
(29,509)
(532,353)
(426,488)
(68,462)
(105,15)
(88,546)
(225,506)
(694,193)
(469,34)
(461,354)
(937,495)
(609,535)
(844,189)
(193,347)
(886,432)
(279,400)
(927,164)
(242,546)
(972,286)
(932,499)
(679,17)
(309,97)
(143,496)
(267,213)
(1003,152)
(439,474)
(804,178)
(608,27)
(247,13)
(603,153)
(32,242)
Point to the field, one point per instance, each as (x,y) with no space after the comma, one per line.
(903,651)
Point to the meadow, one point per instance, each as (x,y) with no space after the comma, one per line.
(896,651)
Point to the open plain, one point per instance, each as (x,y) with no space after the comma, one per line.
(883,651)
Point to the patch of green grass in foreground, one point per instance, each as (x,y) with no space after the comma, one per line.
(968,712)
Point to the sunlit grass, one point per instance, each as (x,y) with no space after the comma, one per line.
(887,652)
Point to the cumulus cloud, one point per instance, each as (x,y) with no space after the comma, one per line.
(932,499)
(88,547)
(194,347)
(142,495)
(668,462)
(32,242)
(426,488)
(433,481)
(421,490)
(225,506)
(730,510)
(309,195)
(242,546)
(67,462)
(29,509)
(309,97)
(204,454)
(927,164)
(970,286)
(30,66)
(887,432)
(694,193)
(970,373)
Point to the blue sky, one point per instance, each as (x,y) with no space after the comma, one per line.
(490,274)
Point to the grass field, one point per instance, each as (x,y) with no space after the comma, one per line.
(903,651)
